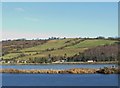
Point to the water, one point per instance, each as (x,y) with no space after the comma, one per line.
(59,79)
(58,66)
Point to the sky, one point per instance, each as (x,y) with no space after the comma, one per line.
(59,19)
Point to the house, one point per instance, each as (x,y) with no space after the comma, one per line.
(10,62)
(2,61)
(62,61)
(17,61)
(90,61)
(57,61)
(24,61)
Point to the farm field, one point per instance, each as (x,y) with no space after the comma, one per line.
(56,48)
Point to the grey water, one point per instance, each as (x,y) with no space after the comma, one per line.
(58,66)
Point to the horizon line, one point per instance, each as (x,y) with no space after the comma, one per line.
(58,38)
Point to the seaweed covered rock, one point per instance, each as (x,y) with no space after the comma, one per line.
(107,70)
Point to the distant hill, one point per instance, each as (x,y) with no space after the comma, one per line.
(50,50)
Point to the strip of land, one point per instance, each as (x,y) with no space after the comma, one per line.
(104,70)
(107,62)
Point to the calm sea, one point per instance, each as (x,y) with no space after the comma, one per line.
(59,79)
(58,66)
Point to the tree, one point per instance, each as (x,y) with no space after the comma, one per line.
(65,55)
(100,37)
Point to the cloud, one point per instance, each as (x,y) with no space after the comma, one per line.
(19,9)
(19,34)
(31,19)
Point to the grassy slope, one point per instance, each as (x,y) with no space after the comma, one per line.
(49,44)
(92,43)
(80,47)
(70,50)
(11,55)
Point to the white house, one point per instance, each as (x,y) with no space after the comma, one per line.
(10,62)
(90,61)
(2,61)
(56,61)
(24,61)
(62,61)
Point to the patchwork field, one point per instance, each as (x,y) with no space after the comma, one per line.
(56,48)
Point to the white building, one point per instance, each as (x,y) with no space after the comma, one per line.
(90,61)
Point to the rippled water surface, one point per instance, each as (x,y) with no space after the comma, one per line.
(59,79)
(58,66)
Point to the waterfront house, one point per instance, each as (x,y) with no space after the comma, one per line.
(2,61)
(62,61)
(10,62)
(24,61)
(90,61)
(58,61)
(18,61)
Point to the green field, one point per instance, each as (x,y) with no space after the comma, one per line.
(69,46)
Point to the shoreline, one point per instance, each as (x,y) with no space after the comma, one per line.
(65,63)
(104,70)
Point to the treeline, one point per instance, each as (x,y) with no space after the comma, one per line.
(99,53)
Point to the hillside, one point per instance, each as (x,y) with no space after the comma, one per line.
(47,50)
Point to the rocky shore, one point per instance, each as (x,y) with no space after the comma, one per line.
(69,71)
